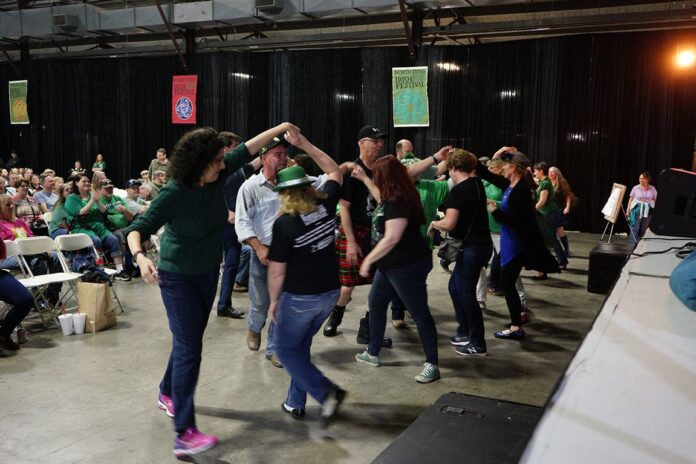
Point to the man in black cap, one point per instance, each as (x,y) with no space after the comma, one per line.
(352,244)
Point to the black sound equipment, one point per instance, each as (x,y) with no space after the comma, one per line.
(461,428)
(606,262)
(675,208)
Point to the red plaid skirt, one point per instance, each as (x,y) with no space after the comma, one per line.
(348,274)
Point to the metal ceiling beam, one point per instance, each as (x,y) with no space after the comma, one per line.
(407,31)
(171,35)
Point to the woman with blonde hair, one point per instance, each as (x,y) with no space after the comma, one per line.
(565,199)
(303,277)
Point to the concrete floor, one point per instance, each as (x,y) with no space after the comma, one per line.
(92,398)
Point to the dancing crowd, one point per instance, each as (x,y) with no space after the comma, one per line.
(299,234)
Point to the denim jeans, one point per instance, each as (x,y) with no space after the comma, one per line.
(188,300)
(14,294)
(299,318)
(232,249)
(109,243)
(408,283)
(38,267)
(243,267)
(58,232)
(462,290)
(259,300)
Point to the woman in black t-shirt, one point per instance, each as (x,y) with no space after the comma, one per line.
(466,219)
(303,277)
(402,258)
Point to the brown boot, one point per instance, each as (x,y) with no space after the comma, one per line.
(253,340)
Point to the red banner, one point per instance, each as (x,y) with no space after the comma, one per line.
(184,99)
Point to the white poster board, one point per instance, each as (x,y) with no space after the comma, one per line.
(613,205)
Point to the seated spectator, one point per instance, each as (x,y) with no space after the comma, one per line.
(144,176)
(57,182)
(12,179)
(3,183)
(15,295)
(118,216)
(49,172)
(77,169)
(145,194)
(12,228)
(99,164)
(24,206)
(133,203)
(97,178)
(158,181)
(4,173)
(59,220)
(85,215)
(45,197)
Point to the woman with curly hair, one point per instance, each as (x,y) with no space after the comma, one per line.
(402,259)
(192,209)
(565,199)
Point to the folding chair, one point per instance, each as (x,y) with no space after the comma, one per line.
(77,242)
(38,245)
(33,284)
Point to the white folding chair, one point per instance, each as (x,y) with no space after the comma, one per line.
(78,242)
(35,285)
(31,246)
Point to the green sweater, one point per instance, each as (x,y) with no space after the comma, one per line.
(194,219)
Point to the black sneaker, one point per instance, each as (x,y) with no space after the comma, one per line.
(229,311)
(459,341)
(470,350)
(123,276)
(334,321)
(330,406)
(7,343)
(296,413)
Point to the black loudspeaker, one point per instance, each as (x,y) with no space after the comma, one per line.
(606,262)
(675,209)
(462,428)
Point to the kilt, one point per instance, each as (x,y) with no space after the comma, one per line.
(348,274)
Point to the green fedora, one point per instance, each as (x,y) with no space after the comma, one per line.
(294,176)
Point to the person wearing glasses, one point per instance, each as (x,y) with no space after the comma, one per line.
(353,241)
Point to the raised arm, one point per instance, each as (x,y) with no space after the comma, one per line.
(324,161)
(255,143)
(439,158)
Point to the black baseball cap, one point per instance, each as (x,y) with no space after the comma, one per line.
(274,143)
(372,132)
(517,158)
(133,183)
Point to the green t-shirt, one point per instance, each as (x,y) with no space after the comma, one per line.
(432,193)
(91,223)
(495,194)
(550,204)
(116,219)
(58,217)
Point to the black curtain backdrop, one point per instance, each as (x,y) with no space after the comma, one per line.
(602,108)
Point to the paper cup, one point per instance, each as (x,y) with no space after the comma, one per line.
(66,323)
(79,323)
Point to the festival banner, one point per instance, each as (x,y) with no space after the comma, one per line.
(410,97)
(19,114)
(184,99)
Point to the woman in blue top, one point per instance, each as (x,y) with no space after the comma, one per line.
(521,243)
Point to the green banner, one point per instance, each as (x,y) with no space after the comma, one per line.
(410,97)
(19,113)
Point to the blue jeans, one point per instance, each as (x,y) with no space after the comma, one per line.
(243,267)
(14,294)
(58,232)
(408,283)
(109,243)
(462,290)
(232,249)
(259,300)
(188,300)
(299,318)
(39,266)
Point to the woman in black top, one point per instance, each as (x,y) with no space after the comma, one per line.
(466,219)
(521,243)
(303,277)
(402,258)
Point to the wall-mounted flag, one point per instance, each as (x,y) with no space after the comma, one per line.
(19,114)
(184,99)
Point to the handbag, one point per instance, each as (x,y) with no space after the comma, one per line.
(450,247)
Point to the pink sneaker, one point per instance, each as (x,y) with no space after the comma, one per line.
(192,441)
(166,404)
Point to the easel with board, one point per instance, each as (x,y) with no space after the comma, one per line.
(611,209)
